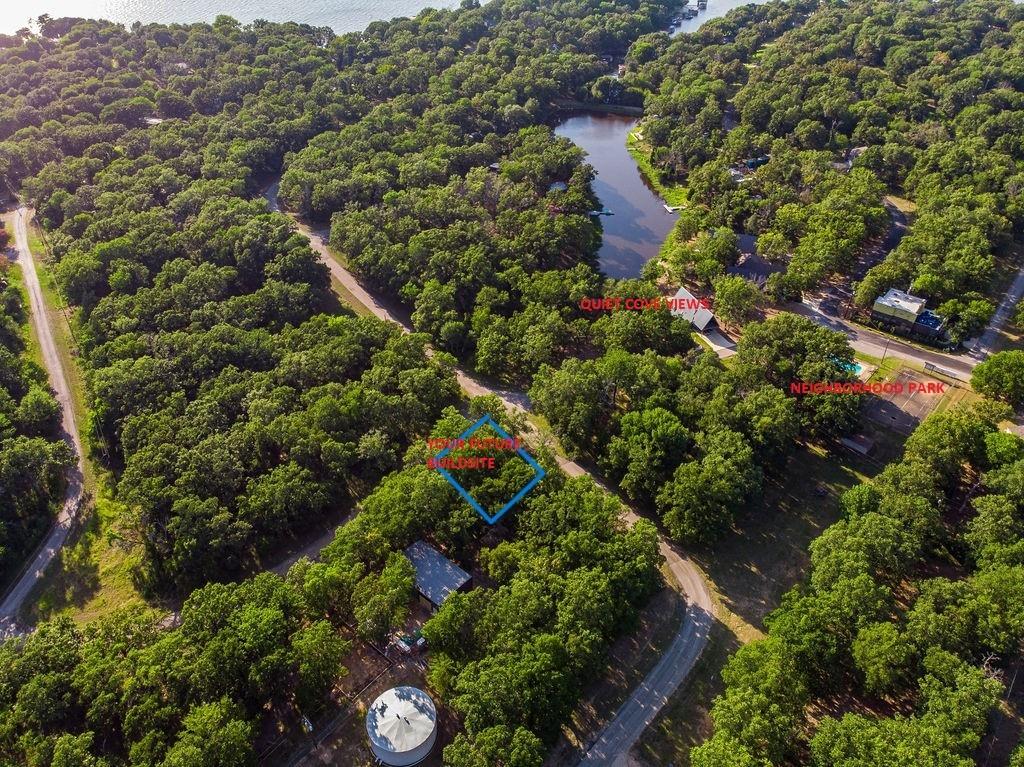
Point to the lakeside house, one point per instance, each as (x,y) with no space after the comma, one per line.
(693,310)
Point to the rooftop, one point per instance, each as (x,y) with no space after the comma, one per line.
(436,575)
(692,310)
(897,299)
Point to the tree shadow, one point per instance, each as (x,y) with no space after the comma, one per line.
(767,550)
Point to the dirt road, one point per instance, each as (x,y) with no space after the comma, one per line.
(58,534)
(645,702)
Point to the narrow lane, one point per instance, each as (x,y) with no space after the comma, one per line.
(56,538)
(643,705)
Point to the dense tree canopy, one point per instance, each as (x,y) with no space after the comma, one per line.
(875,620)
(790,121)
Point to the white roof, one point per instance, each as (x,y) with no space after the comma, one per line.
(691,309)
(401,719)
(898,299)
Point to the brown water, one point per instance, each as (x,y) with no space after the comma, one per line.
(633,235)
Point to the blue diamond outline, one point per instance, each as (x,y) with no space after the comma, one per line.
(521,452)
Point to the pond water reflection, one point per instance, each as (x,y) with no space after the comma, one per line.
(640,223)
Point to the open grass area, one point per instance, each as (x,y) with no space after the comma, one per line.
(347,298)
(32,349)
(672,193)
(91,577)
(903,205)
(750,570)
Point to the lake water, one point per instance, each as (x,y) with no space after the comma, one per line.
(640,223)
(715,9)
(340,15)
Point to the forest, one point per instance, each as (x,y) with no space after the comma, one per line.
(790,123)
(560,582)
(241,407)
(911,599)
(690,437)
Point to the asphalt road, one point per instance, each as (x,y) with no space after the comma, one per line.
(986,344)
(58,534)
(878,345)
(614,742)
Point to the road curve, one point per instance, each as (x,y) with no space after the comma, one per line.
(614,742)
(55,539)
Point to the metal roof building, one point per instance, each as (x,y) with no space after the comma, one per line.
(692,310)
(436,575)
(898,304)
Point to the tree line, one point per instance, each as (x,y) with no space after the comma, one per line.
(691,437)
(913,600)
(33,456)
(823,109)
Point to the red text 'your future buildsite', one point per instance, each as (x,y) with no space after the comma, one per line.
(469,461)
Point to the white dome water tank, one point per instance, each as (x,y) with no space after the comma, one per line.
(402,726)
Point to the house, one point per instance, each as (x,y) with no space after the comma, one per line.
(906,313)
(436,575)
(693,310)
(751,265)
(898,307)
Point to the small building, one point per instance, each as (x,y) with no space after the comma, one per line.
(929,325)
(751,265)
(906,314)
(558,186)
(402,726)
(898,307)
(693,310)
(436,575)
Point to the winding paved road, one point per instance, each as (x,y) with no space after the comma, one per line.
(614,742)
(55,539)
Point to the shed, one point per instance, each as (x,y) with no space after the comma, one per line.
(402,726)
(436,575)
(692,309)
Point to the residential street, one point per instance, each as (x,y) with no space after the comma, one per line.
(986,344)
(58,534)
(878,345)
(646,701)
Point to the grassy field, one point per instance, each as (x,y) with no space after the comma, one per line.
(673,194)
(750,570)
(91,577)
